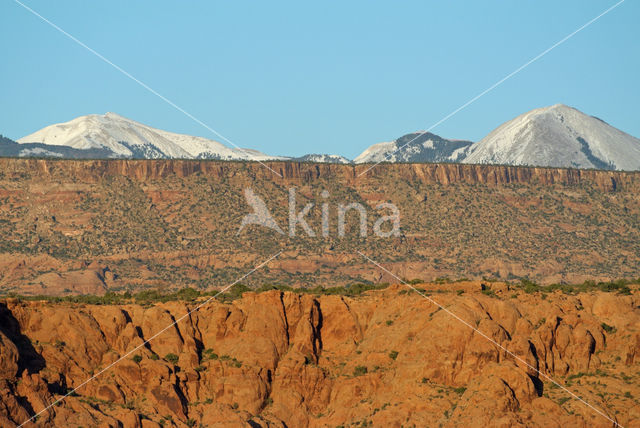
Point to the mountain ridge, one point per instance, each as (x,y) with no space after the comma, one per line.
(554,136)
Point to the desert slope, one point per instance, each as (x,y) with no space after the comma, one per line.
(74,227)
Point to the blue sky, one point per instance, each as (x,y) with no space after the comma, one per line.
(333,77)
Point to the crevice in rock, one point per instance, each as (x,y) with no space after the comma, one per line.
(28,357)
(175,326)
(146,344)
(537,384)
(284,314)
(317,330)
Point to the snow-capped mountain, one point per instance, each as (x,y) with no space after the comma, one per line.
(121,137)
(322,159)
(558,136)
(416,147)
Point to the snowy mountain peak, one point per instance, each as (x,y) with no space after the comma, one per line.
(123,137)
(558,136)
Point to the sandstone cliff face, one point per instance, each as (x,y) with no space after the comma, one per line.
(292,172)
(389,358)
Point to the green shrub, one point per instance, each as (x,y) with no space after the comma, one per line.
(208,354)
(360,370)
(172,358)
(233,293)
(487,291)
(608,328)
(529,286)
(136,359)
(577,375)
(393,355)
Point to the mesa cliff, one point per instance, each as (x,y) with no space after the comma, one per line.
(297,172)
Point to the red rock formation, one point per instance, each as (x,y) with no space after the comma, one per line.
(388,358)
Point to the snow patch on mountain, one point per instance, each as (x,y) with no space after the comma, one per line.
(319,158)
(415,147)
(379,152)
(38,152)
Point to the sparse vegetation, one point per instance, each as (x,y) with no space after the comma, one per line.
(116,214)
(208,354)
(609,329)
(360,370)
(172,358)
(577,375)
(188,294)
(487,291)
(620,286)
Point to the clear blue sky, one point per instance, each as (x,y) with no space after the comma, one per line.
(333,76)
